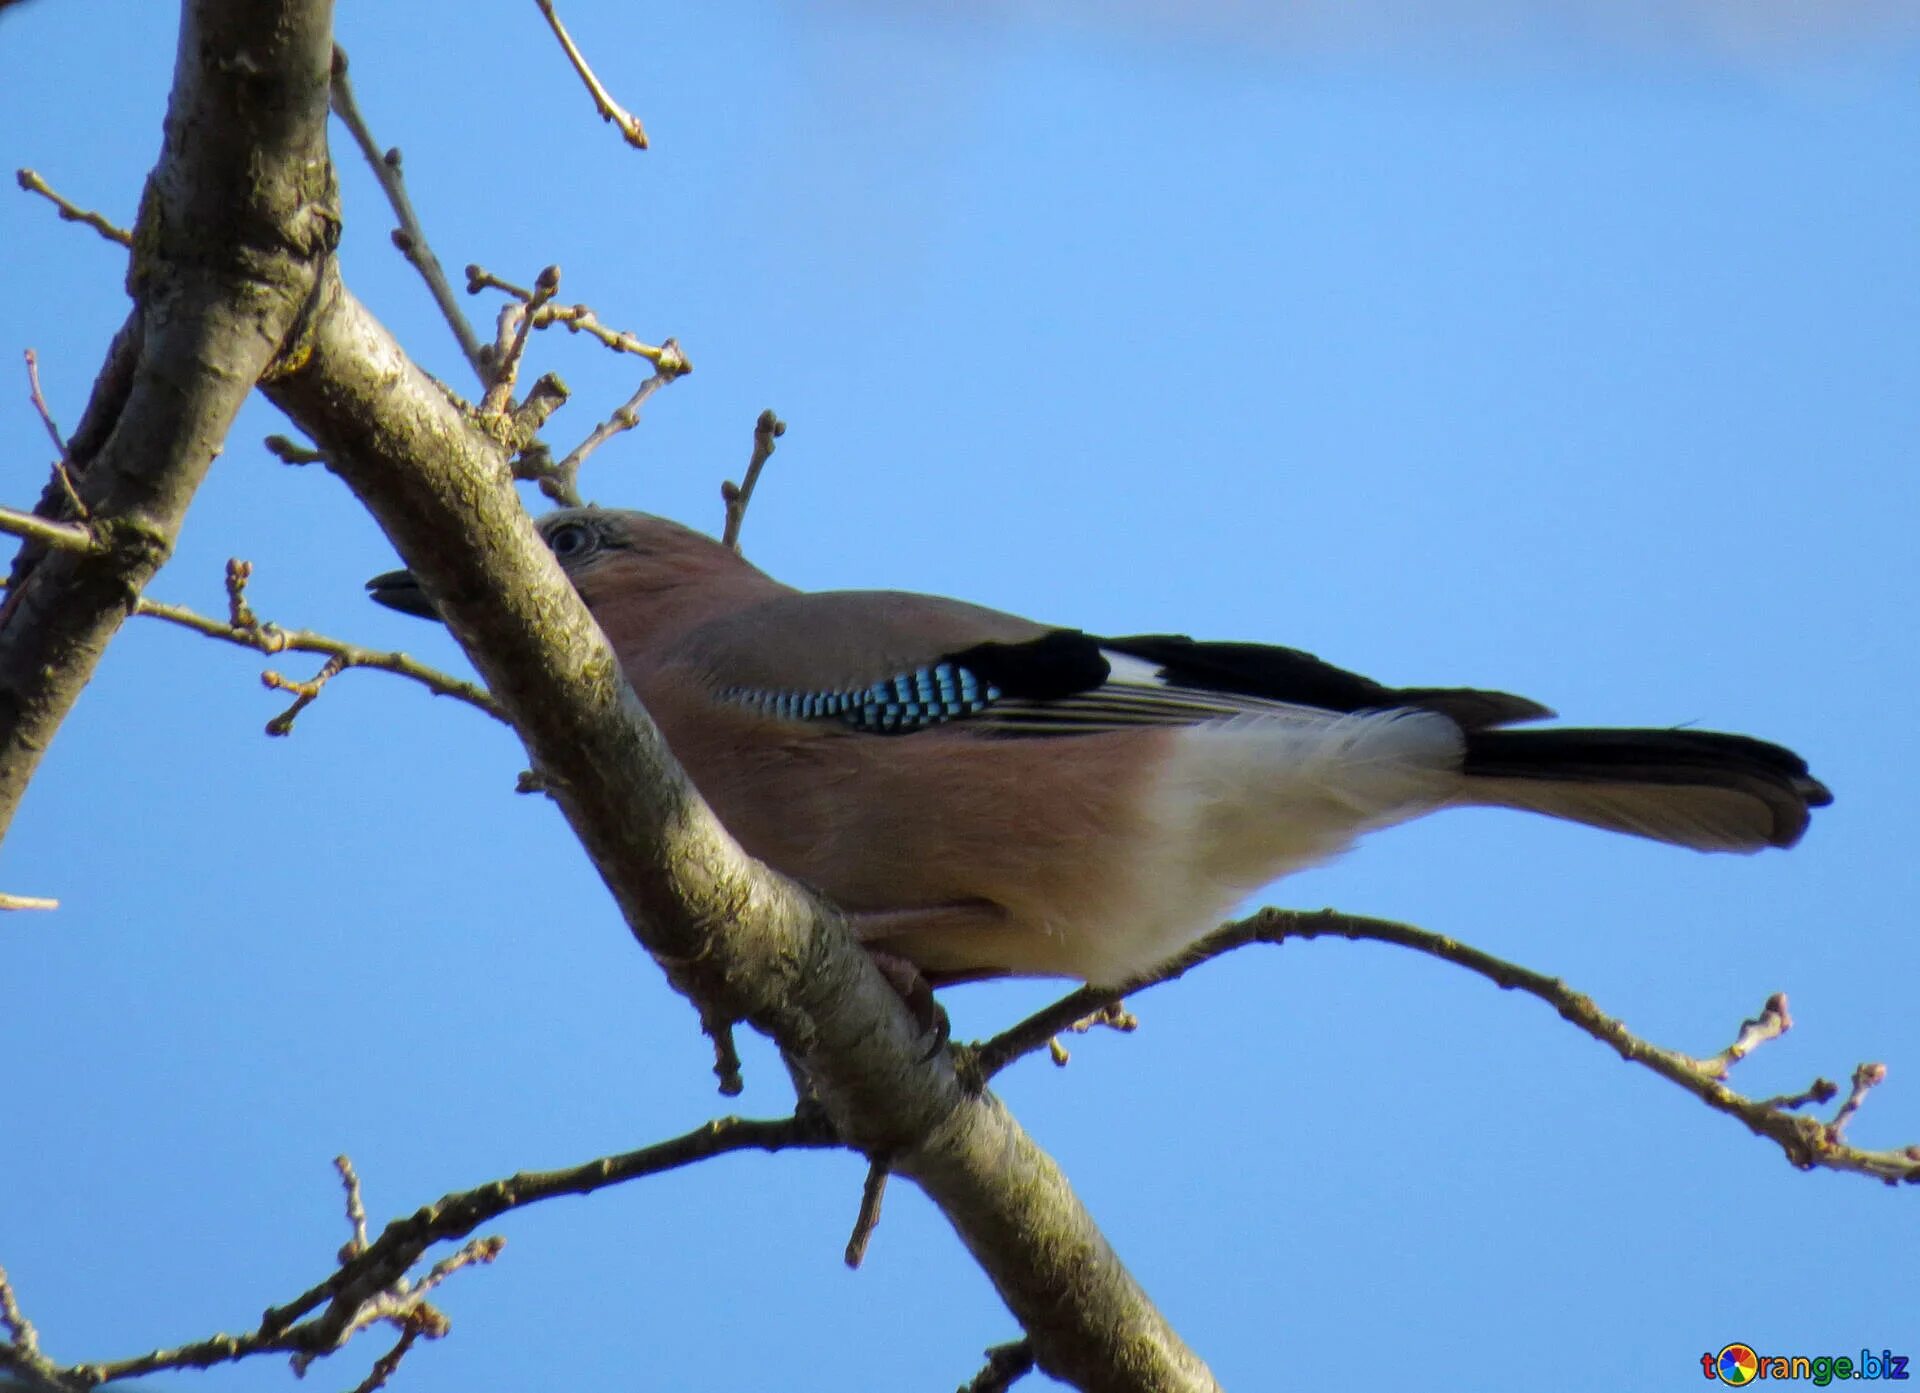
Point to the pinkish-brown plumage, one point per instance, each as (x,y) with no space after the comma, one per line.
(1017,799)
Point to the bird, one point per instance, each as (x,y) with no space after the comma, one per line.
(988,796)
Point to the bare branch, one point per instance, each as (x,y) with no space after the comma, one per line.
(293,452)
(371,1285)
(356,1243)
(1865,1077)
(506,364)
(1772,1022)
(610,110)
(409,238)
(868,1219)
(387,1364)
(768,429)
(242,628)
(33,183)
(404,1241)
(40,406)
(13,1323)
(1808,1144)
(1006,1366)
(737,939)
(581,319)
(16,902)
(561,484)
(240,213)
(56,536)
(726,1057)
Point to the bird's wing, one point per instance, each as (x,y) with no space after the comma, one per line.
(889,663)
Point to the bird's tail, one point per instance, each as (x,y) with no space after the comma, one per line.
(1693,788)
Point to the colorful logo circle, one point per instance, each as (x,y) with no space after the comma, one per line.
(1737,1364)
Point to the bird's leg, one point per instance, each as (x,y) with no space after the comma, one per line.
(917,993)
(885,933)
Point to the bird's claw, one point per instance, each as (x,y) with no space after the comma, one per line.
(917,994)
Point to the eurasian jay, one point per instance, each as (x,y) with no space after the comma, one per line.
(989,796)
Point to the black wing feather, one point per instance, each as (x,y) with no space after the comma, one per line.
(1288,675)
(1058,684)
(1052,667)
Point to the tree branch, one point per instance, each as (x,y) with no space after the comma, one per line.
(237,217)
(742,942)
(1807,1143)
(625,121)
(249,632)
(70,212)
(371,1283)
(410,239)
(766,433)
(54,536)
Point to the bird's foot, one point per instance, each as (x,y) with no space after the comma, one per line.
(917,993)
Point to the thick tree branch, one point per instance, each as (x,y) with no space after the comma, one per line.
(739,940)
(236,219)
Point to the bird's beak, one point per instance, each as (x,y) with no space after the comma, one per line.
(399,590)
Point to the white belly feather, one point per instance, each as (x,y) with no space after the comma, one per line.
(1246,800)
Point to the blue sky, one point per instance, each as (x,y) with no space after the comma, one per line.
(1565,349)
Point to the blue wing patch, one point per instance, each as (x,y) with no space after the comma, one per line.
(899,705)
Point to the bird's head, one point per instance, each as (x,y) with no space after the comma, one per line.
(632,569)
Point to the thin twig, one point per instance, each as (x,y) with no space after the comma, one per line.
(356,1244)
(868,1219)
(59,536)
(21,1352)
(1819,1091)
(1806,1142)
(40,405)
(1772,1022)
(270,638)
(13,1322)
(240,614)
(478,1250)
(726,1056)
(33,183)
(561,484)
(293,452)
(506,364)
(766,431)
(610,110)
(1865,1077)
(581,319)
(372,1286)
(304,693)
(63,462)
(409,238)
(402,1242)
(387,1364)
(1006,1365)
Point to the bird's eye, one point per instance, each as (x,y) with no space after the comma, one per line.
(570,540)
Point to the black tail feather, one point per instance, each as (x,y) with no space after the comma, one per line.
(1691,787)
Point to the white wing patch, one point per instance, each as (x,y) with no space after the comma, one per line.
(1135,695)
